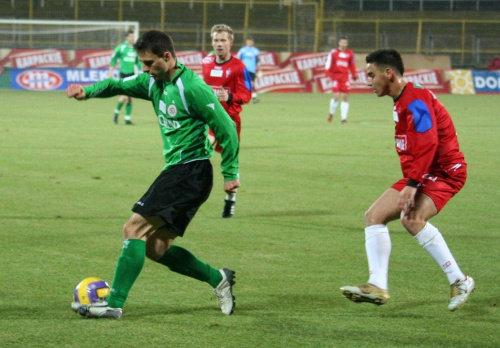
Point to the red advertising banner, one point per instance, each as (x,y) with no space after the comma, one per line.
(27,58)
(92,59)
(278,71)
(282,80)
(191,59)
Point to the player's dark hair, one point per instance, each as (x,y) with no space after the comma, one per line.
(155,41)
(387,58)
(130,31)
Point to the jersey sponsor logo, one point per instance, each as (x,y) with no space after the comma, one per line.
(172,110)
(342,64)
(401,143)
(167,123)
(39,80)
(216,73)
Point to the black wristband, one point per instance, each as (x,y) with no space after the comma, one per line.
(229,97)
(412,183)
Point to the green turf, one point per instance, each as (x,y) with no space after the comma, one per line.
(69,176)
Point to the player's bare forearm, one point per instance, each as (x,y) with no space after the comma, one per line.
(231,186)
(75,91)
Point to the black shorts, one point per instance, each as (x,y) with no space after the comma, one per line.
(177,194)
(122,76)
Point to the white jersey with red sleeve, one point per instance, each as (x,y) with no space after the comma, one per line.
(233,76)
(340,63)
(426,139)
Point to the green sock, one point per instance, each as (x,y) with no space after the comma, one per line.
(128,109)
(118,108)
(182,261)
(127,270)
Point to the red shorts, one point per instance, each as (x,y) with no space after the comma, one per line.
(341,84)
(238,130)
(440,187)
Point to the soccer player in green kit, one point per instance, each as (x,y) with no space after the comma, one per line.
(127,56)
(185,107)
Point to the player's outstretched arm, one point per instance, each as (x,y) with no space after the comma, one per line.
(75,91)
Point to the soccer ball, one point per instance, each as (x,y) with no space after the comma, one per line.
(91,290)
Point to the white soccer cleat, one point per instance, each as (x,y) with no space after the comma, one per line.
(224,291)
(460,292)
(97,310)
(365,293)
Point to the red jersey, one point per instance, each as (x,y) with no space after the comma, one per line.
(426,139)
(234,77)
(340,63)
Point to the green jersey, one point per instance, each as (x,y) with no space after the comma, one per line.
(128,58)
(185,107)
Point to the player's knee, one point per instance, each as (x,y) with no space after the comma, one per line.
(371,218)
(413,224)
(133,229)
(155,251)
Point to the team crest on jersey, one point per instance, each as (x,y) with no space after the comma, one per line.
(172,110)
(228,72)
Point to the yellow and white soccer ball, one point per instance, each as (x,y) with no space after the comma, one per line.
(91,290)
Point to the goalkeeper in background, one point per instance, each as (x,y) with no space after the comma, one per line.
(126,55)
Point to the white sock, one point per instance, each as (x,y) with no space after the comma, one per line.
(333,105)
(378,250)
(127,117)
(344,109)
(433,242)
(231,197)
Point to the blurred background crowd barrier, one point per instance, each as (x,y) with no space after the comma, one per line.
(466,31)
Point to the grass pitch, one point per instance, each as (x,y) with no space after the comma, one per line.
(69,176)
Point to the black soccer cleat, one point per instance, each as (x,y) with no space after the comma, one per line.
(229,208)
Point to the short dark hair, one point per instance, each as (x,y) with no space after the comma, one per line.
(387,58)
(156,42)
(130,31)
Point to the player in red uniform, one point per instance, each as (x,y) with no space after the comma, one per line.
(434,170)
(231,83)
(338,64)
